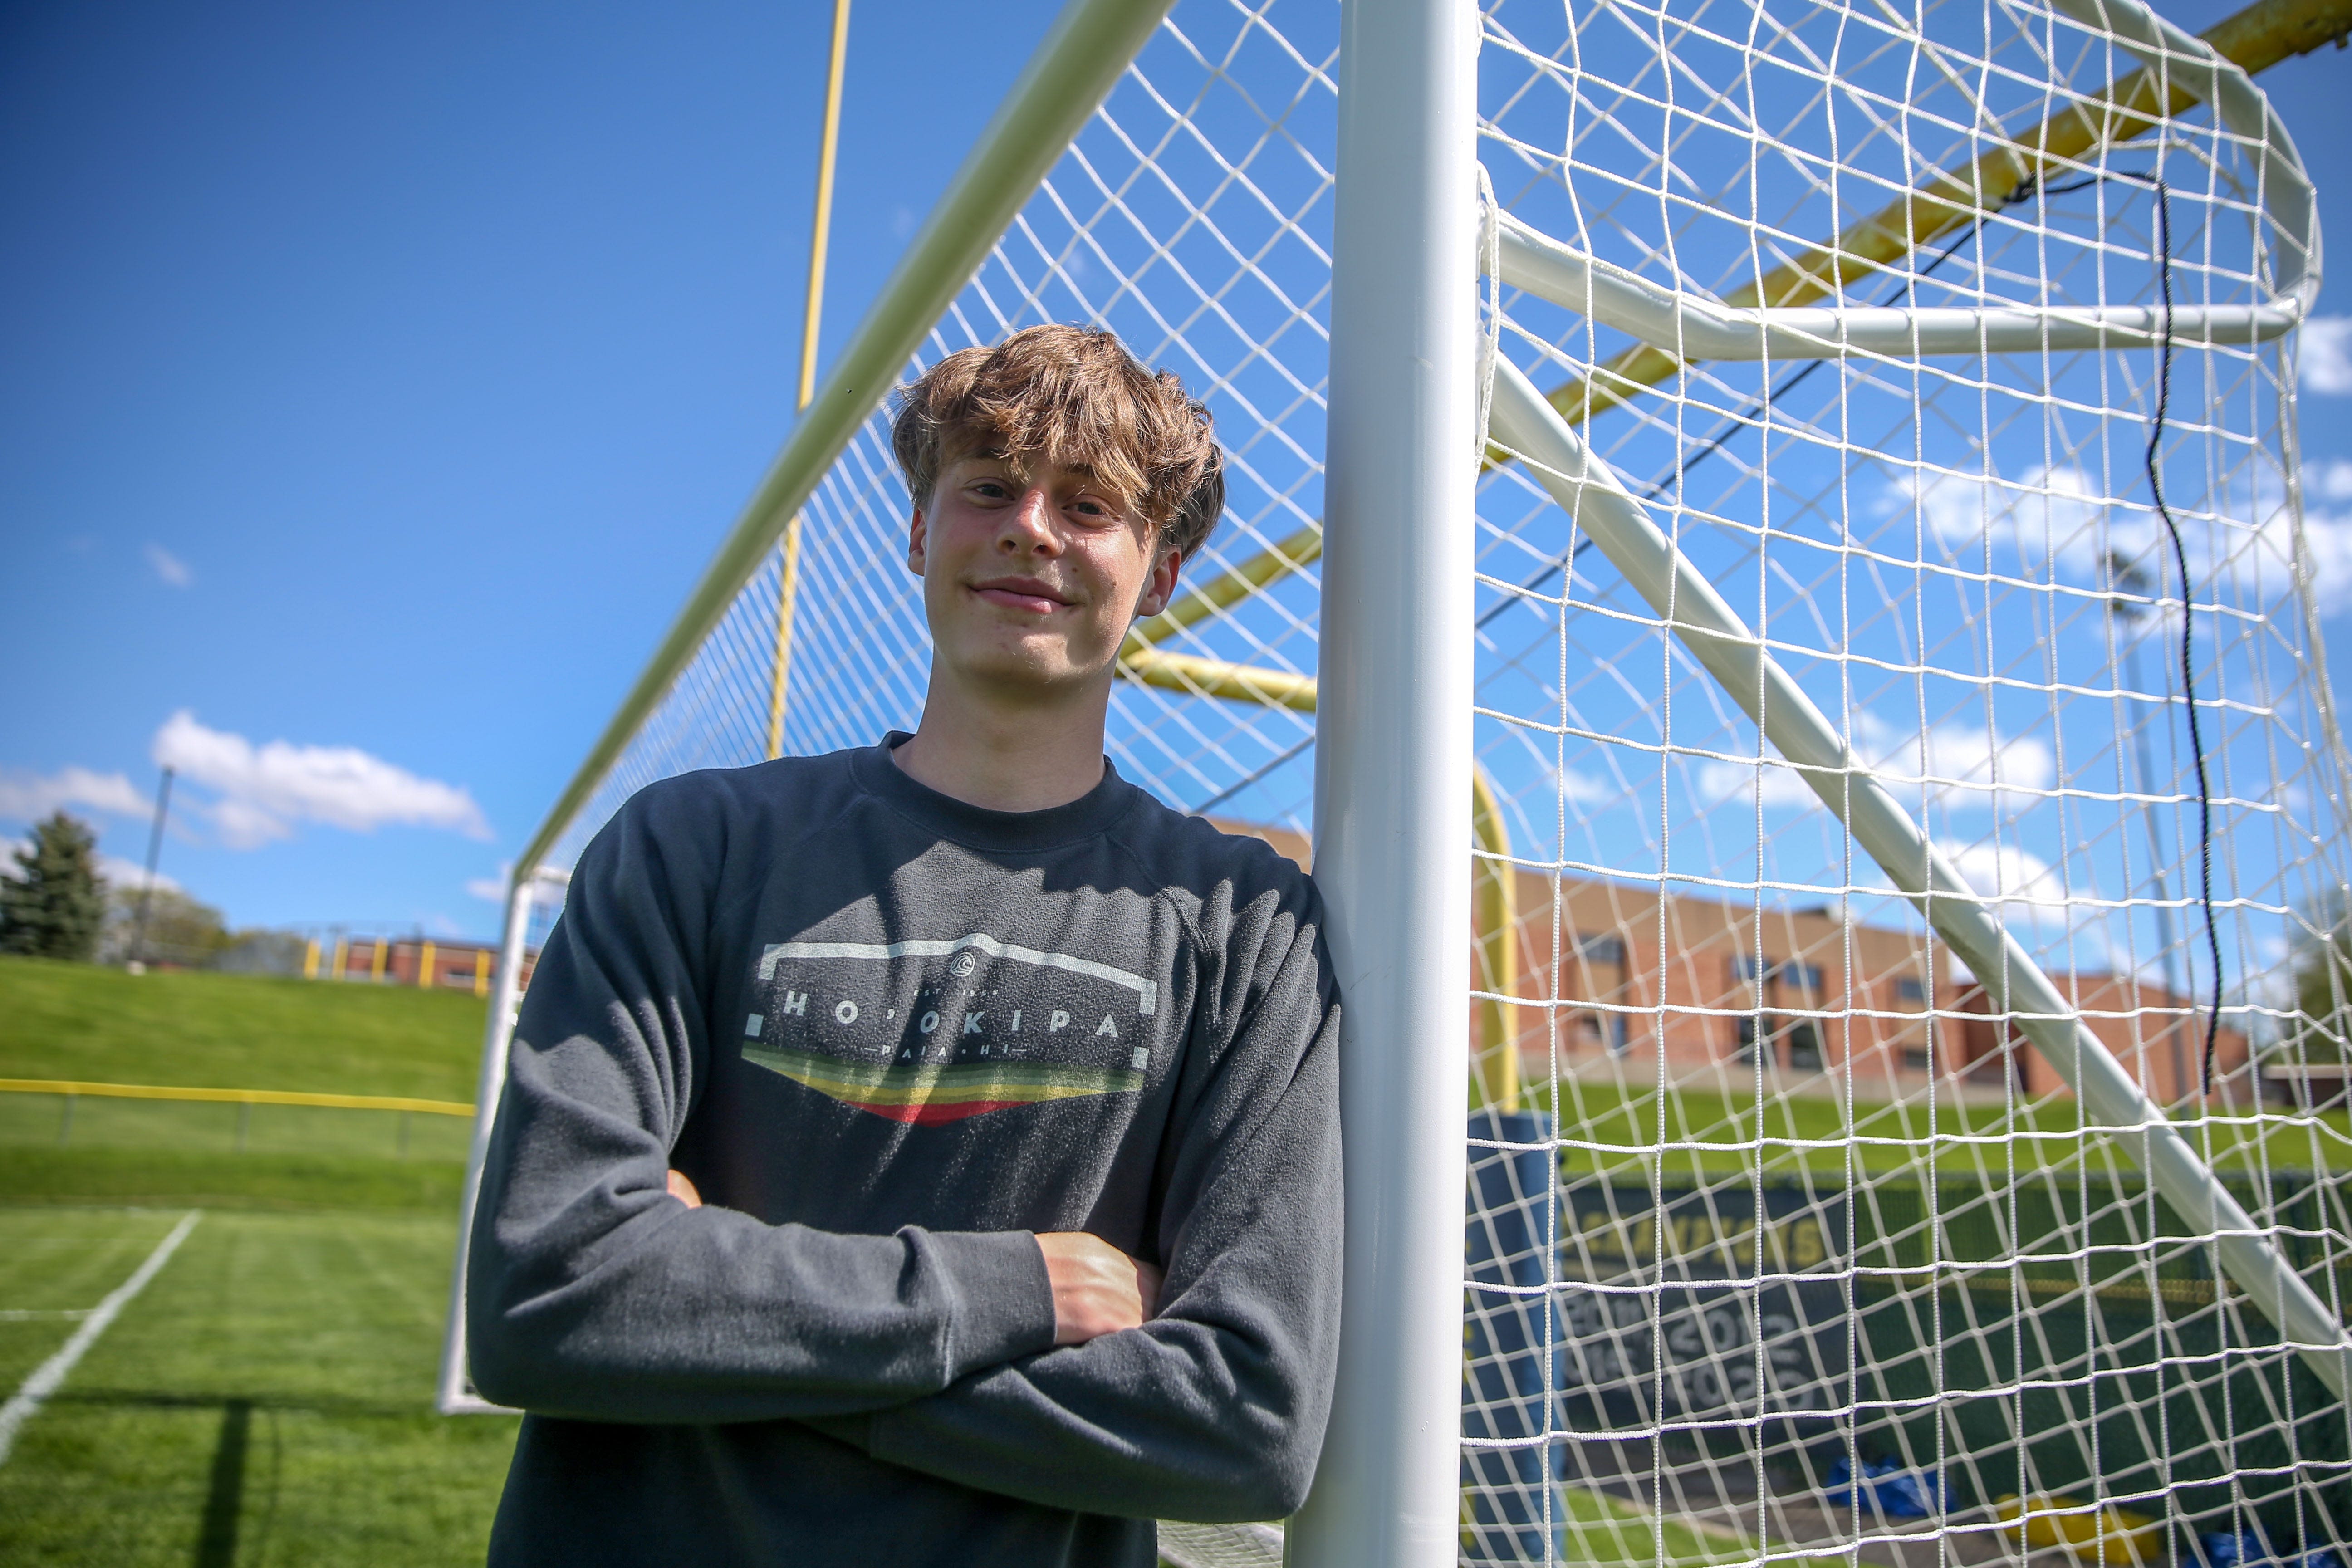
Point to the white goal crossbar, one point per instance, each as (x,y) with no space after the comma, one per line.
(1707,328)
(1696,328)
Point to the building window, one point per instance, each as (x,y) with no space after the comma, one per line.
(1915,1059)
(1805,976)
(1746,966)
(1745,1047)
(1912,989)
(1805,1048)
(1602,949)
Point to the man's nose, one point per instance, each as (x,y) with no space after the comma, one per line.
(1030,524)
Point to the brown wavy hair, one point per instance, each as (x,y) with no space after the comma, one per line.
(1075,397)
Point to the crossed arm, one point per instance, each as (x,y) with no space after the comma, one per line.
(1097,1288)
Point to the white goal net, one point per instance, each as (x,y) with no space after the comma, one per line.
(1910,825)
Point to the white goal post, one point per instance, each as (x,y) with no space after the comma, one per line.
(1767,568)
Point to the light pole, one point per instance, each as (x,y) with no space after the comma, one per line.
(137,964)
(2130,605)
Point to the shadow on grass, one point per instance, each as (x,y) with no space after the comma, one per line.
(224,1498)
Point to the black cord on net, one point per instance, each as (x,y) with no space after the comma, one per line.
(1733,424)
(2188,606)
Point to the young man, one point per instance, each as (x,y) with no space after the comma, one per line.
(928,1154)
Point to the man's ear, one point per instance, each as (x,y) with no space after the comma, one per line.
(1159,585)
(915,539)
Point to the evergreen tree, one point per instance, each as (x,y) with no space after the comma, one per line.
(54,905)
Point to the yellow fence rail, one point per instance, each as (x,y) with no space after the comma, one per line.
(234,1096)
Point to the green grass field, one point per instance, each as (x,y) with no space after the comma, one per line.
(1715,1133)
(268,1399)
(186,1028)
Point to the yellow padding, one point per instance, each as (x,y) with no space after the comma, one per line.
(2113,1537)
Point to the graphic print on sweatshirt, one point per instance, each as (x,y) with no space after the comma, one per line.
(935,1031)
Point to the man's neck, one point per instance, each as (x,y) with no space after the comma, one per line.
(986,754)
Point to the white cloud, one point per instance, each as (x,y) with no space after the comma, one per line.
(2327,523)
(2006,873)
(29,797)
(1781,787)
(122,873)
(2047,518)
(1583,789)
(1962,765)
(2326,359)
(169,567)
(2024,891)
(117,871)
(2055,518)
(2050,512)
(264,792)
(491,889)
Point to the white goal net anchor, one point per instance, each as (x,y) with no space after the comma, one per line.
(1802,1141)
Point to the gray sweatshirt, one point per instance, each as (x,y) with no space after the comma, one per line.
(889,1037)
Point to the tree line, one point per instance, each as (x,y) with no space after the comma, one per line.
(55,904)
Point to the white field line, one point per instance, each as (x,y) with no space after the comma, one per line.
(47,1377)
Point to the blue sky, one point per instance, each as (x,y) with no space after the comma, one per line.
(377,382)
(381,378)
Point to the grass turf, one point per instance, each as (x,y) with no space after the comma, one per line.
(1622,1133)
(182,1179)
(231,1031)
(268,1399)
(1598,1528)
(191,1029)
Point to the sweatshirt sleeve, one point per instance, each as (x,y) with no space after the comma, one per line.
(591,1293)
(1215,1410)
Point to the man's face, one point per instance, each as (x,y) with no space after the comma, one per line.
(1032,573)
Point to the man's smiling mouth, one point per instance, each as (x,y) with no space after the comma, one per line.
(1032,595)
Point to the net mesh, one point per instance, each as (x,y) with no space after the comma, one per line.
(1191,217)
(1782,1243)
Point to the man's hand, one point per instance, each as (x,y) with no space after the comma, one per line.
(1097,1288)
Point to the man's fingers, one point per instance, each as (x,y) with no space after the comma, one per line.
(683,1190)
(1097,1288)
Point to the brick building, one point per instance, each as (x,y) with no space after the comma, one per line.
(1613,974)
(408,961)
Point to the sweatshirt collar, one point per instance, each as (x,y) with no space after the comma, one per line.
(977,827)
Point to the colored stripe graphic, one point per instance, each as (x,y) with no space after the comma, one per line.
(931,1093)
